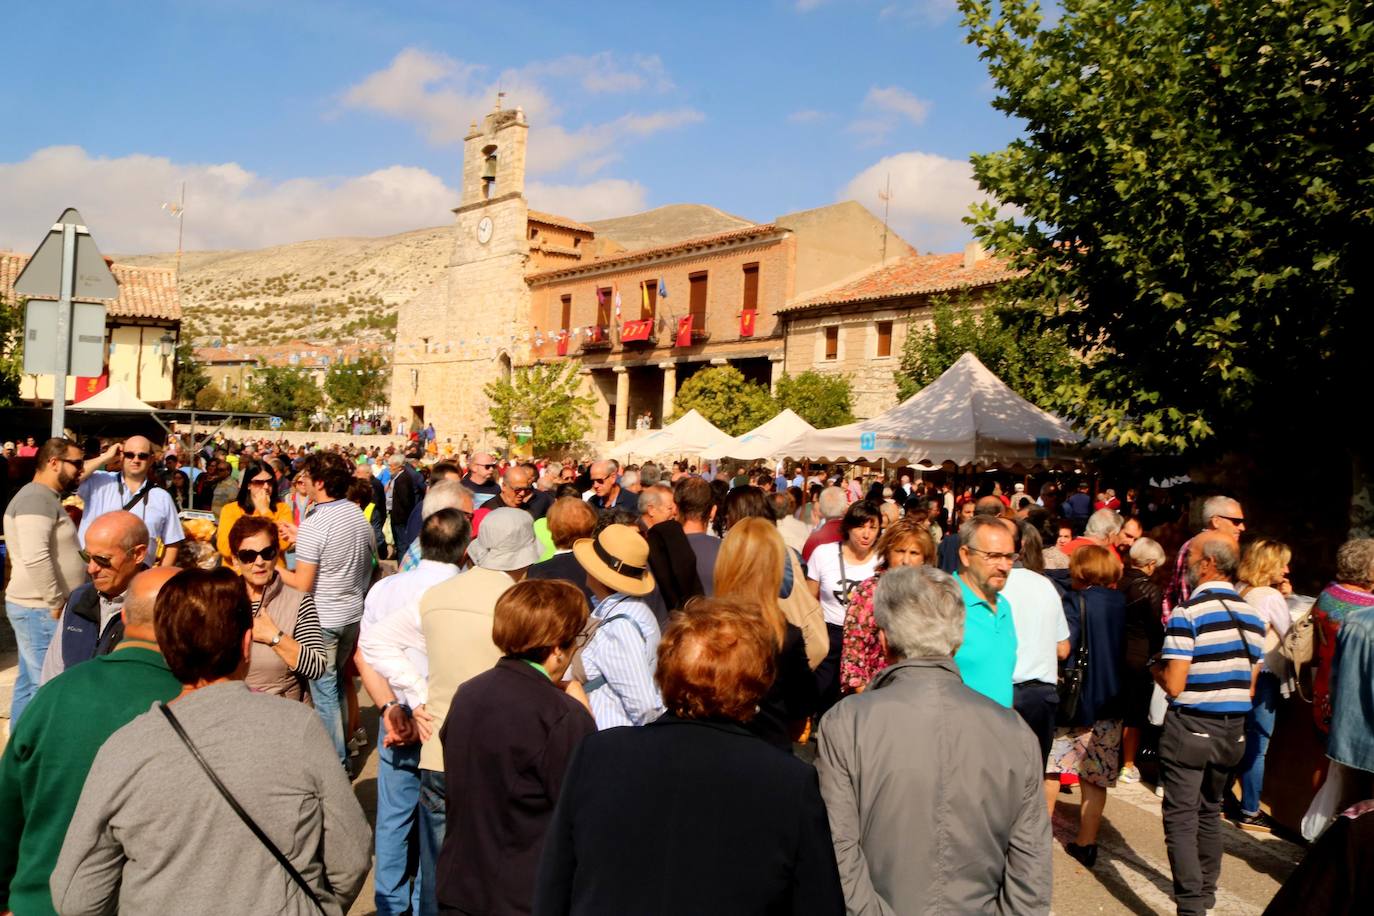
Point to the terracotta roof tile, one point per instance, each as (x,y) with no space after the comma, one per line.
(550,219)
(916,275)
(642,254)
(144,292)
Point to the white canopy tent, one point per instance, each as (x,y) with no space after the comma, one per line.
(967,416)
(763,442)
(690,434)
(115,397)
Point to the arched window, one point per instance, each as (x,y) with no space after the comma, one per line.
(504,365)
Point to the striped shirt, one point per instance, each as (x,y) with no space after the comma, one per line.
(337,539)
(620,663)
(1206,630)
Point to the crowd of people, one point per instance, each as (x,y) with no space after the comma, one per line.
(642,688)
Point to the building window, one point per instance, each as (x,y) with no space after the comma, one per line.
(534,233)
(567,313)
(648,298)
(832,342)
(605,302)
(884,338)
(696,300)
(751,287)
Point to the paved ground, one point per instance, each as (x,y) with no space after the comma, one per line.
(1132,873)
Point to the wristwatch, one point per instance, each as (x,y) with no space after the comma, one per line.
(276,639)
(387,705)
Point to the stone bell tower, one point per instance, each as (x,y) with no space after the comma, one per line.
(465,340)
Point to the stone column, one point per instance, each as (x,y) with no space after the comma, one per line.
(775,366)
(669,387)
(622,402)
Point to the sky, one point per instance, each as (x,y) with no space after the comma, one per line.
(300,119)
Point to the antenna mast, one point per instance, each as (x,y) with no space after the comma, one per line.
(886,197)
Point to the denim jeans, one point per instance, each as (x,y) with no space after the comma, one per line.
(33,631)
(1259,726)
(433,815)
(327,690)
(398,888)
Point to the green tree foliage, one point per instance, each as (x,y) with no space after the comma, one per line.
(288,392)
(189,377)
(212,398)
(359,385)
(1035,365)
(547,398)
(722,395)
(1195,187)
(11,351)
(821,400)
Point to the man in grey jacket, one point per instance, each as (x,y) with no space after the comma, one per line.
(933,790)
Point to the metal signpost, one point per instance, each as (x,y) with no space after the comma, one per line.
(69,268)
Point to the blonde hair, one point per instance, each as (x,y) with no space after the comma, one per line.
(749,570)
(1263,562)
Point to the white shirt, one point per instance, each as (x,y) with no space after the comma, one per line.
(838,577)
(1037,613)
(390,636)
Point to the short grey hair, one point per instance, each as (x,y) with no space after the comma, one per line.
(1102,524)
(1355,562)
(650,474)
(969,529)
(1224,554)
(396,458)
(1146,551)
(832,503)
(629,479)
(1217,505)
(653,497)
(445,494)
(921,610)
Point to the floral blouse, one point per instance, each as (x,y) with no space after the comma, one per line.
(861,656)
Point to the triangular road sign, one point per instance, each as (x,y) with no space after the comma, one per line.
(41,278)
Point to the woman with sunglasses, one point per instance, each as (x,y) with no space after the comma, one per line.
(288,648)
(257,498)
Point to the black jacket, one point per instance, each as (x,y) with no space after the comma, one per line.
(507,740)
(793,696)
(563,566)
(82,639)
(407,489)
(689,817)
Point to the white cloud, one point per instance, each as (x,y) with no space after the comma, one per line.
(930,197)
(443,96)
(227,206)
(898,101)
(806,116)
(597,200)
(885,109)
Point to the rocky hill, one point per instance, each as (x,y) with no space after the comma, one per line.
(343,290)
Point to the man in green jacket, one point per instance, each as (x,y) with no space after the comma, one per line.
(51,750)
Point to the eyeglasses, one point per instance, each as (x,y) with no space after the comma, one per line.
(138,456)
(246,557)
(520,491)
(994,556)
(1233,519)
(487,466)
(600,479)
(102,562)
(260,483)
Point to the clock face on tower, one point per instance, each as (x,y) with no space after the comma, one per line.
(484,230)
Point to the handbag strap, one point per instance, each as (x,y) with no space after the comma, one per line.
(1082,631)
(238,809)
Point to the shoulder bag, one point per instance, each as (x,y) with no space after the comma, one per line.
(1072,676)
(238,809)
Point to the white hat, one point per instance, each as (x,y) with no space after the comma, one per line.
(1020,487)
(505,541)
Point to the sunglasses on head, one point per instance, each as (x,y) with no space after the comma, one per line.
(246,557)
(102,562)
(138,456)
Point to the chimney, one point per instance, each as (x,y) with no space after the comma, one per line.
(973,253)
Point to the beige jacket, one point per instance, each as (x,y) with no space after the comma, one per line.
(456,618)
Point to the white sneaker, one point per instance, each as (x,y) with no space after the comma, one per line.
(1130,774)
(1159,791)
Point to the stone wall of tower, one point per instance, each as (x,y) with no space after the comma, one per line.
(466,332)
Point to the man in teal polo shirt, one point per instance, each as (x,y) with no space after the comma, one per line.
(987,657)
(45,764)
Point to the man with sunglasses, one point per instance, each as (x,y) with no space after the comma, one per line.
(46,560)
(479,478)
(1219,513)
(91,625)
(130,489)
(518,492)
(607,493)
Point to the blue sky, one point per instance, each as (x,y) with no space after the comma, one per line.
(296,120)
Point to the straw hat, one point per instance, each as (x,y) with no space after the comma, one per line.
(617,558)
